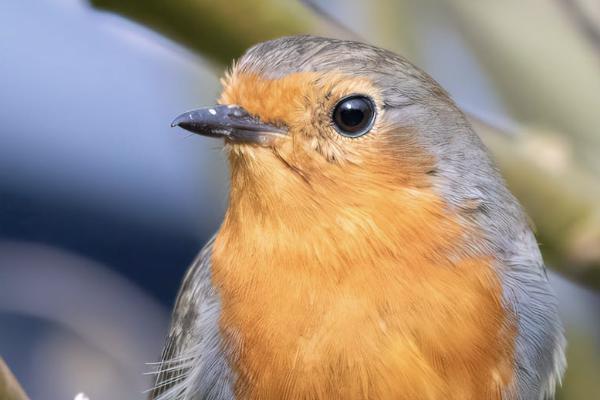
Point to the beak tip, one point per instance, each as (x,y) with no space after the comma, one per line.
(177,121)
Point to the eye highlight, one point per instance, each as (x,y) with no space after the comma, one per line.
(353,116)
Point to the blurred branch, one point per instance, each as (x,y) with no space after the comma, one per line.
(220,30)
(318,9)
(562,199)
(585,23)
(540,64)
(9,387)
(563,202)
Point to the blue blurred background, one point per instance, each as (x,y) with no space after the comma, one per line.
(103,205)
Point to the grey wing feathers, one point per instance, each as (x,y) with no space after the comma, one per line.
(540,344)
(193,364)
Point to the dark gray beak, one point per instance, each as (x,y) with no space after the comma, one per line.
(230,122)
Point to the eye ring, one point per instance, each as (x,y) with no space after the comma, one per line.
(353,116)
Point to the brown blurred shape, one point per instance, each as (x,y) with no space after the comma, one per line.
(9,386)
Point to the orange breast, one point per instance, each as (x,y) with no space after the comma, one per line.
(360,302)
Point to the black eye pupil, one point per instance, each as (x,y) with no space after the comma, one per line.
(353,116)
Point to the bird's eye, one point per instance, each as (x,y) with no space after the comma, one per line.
(353,116)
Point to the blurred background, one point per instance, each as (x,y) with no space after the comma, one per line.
(103,205)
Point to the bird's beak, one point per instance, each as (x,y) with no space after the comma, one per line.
(231,122)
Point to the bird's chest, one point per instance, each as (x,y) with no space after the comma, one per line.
(305,340)
(318,331)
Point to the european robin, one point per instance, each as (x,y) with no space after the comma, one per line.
(370,249)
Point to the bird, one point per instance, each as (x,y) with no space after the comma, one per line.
(370,248)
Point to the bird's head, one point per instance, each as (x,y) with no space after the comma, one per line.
(312,122)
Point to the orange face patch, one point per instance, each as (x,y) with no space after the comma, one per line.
(351,280)
(303,102)
(286,99)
